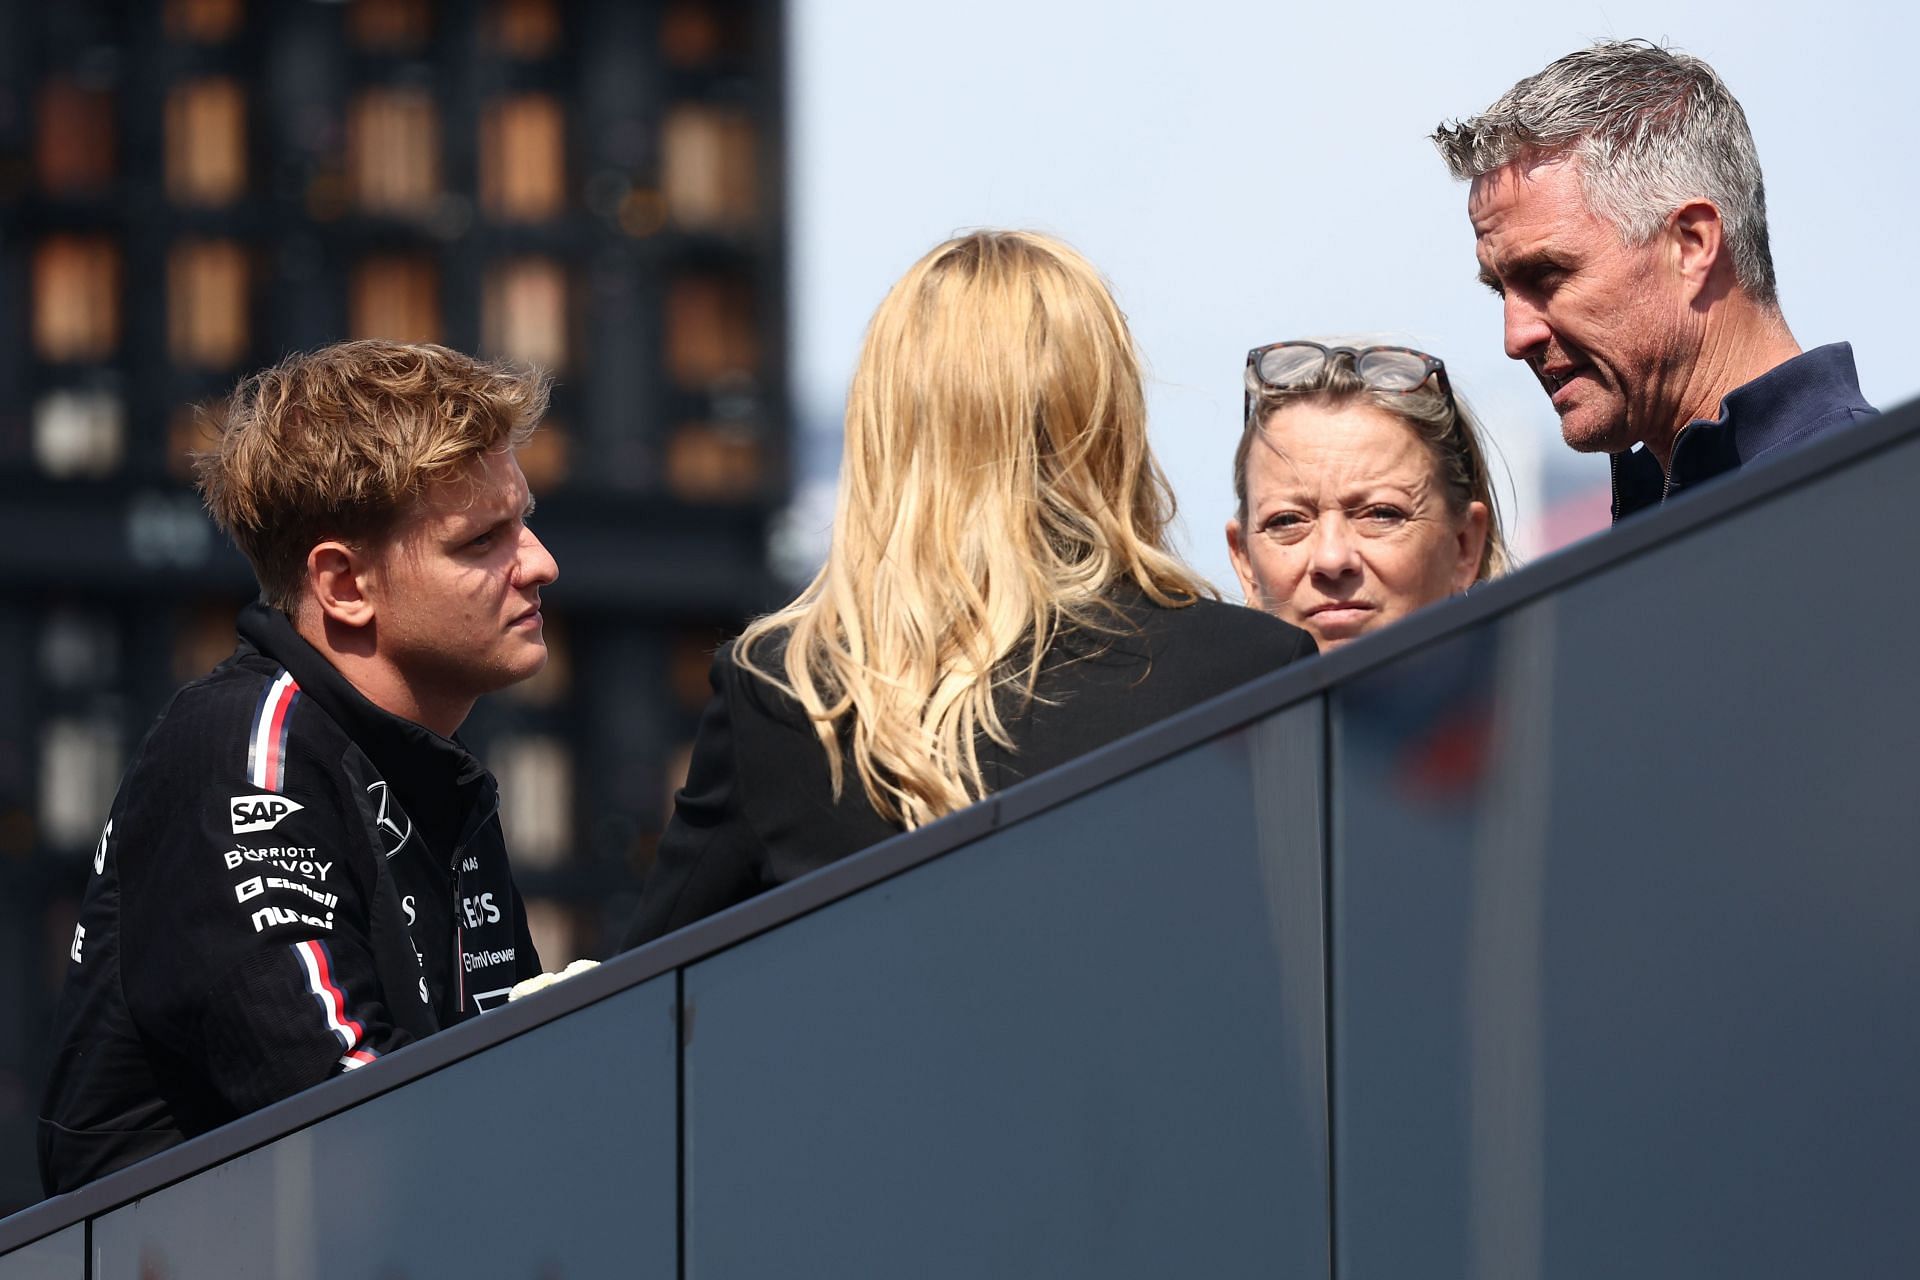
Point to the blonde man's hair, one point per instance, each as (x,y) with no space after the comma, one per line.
(340,442)
(996,486)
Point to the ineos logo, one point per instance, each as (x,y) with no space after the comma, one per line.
(396,828)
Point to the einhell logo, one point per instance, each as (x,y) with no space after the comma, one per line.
(261,812)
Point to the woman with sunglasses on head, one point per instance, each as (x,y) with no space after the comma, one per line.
(1362,486)
(999,595)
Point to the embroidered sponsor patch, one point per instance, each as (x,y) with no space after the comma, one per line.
(396,828)
(294,859)
(260,812)
(273,917)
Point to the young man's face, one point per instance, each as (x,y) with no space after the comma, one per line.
(457,592)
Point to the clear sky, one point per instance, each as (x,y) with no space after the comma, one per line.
(1245,172)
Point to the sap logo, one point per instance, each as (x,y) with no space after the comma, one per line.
(260,812)
(100,850)
(79,936)
(479,911)
(268,917)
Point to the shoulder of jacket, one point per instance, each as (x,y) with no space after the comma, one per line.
(245,718)
(1228,620)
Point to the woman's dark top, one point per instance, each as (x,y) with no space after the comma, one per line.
(758,808)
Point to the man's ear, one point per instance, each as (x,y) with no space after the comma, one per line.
(338,582)
(1699,244)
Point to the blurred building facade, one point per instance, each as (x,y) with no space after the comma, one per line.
(189,189)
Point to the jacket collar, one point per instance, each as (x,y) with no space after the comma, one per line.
(438,777)
(1789,400)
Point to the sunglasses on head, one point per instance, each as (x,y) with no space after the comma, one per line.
(1281,367)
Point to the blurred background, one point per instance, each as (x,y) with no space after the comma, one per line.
(687,209)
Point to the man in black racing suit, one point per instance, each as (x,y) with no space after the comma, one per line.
(303,870)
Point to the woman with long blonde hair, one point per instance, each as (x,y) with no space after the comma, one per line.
(999,595)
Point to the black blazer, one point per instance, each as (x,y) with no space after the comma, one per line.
(757,809)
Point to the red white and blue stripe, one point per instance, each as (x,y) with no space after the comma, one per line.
(267,746)
(317,961)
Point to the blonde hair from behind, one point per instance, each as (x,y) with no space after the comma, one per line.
(340,442)
(996,485)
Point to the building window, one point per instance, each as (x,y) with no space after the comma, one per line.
(74,144)
(393,152)
(714,462)
(395,296)
(523,312)
(79,433)
(523,158)
(79,769)
(536,797)
(206,142)
(76,298)
(711,336)
(709,169)
(204,21)
(207,311)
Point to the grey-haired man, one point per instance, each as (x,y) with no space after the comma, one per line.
(1619,213)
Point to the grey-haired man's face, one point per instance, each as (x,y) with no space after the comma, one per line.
(1600,322)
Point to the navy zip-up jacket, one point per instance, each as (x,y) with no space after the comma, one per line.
(1815,392)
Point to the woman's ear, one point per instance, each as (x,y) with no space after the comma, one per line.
(1243,564)
(1470,544)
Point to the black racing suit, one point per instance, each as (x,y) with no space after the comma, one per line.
(291,883)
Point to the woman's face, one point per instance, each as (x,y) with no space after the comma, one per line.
(1348,527)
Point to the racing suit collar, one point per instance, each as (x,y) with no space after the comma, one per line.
(440,777)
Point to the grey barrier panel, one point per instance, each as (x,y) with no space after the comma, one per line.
(1626,916)
(1090,1044)
(551,1154)
(60,1256)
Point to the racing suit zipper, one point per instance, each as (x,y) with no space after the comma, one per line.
(459,953)
(459,900)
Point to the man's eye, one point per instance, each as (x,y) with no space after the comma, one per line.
(482,542)
(1543,281)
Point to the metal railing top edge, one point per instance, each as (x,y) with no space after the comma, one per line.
(1288,686)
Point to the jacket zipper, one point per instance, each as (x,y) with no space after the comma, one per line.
(459,905)
(1673,455)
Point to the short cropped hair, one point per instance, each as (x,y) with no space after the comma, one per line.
(1651,128)
(342,441)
